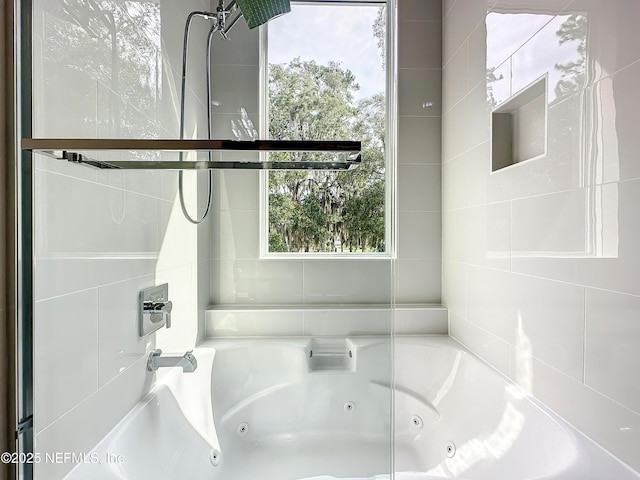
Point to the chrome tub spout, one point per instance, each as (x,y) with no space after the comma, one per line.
(188,362)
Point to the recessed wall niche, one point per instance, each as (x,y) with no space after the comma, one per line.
(519,127)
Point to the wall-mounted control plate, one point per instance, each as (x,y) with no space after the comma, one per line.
(149,321)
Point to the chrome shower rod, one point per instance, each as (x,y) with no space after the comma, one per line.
(97,144)
(75,150)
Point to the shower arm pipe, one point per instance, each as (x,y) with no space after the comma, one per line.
(234,10)
(231,24)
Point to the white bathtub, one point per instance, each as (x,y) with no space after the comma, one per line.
(254,410)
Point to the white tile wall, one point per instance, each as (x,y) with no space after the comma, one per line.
(421,320)
(235,87)
(202,276)
(418,280)
(421,44)
(185,330)
(119,345)
(607,422)
(611,330)
(551,224)
(541,259)
(358,282)
(477,57)
(420,235)
(454,287)
(337,322)
(100,237)
(417,319)
(418,273)
(462,16)
(517,308)
(254,322)
(419,140)
(478,235)
(417,86)
(261,282)
(419,188)
(462,129)
(82,427)
(65,354)
(454,85)
(486,345)
(238,236)
(419,10)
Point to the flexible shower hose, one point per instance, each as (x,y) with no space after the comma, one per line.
(185,48)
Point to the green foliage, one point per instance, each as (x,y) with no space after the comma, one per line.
(574,29)
(325,211)
(114,45)
(276,243)
(310,223)
(364,219)
(308,101)
(380,32)
(491,78)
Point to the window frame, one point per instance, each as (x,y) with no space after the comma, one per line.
(390,153)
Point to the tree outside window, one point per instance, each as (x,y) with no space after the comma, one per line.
(328,99)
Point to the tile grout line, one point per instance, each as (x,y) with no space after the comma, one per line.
(497,202)
(97,339)
(530,275)
(584,340)
(511,236)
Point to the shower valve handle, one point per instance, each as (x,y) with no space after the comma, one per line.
(159,311)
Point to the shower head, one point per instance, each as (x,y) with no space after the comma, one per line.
(257,12)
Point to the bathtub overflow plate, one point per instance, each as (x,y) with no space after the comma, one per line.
(243,428)
(450,449)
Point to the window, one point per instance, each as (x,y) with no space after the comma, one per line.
(326,81)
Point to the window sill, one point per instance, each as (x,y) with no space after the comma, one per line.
(326,256)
